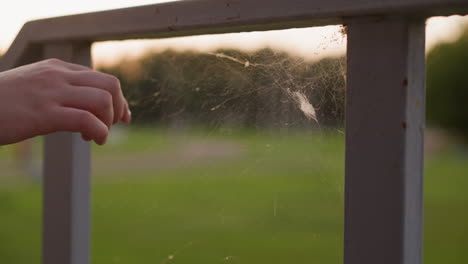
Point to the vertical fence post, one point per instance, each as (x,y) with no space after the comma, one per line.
(384,140)
(66,181)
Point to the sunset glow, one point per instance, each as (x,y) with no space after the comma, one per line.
(310,43)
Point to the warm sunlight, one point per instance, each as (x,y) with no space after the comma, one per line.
(149,131)
(323,41)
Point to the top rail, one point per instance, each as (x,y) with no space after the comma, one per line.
(198,17)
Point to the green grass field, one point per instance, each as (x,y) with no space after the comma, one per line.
(247,198)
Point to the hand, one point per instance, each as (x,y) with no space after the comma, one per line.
(52,95)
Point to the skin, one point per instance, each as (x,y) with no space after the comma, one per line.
(53,95)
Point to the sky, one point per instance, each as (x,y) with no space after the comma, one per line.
(310,43)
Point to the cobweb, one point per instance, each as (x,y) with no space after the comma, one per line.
(265,88)
(235,152)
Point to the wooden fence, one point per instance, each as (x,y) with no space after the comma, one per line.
(384,110)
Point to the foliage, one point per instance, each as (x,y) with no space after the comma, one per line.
(447,85)
(234,88)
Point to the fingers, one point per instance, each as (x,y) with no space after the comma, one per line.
(79,75)
(97,101)
(127,115)
(87,101)
(103,81)
(77,120)
(67,65)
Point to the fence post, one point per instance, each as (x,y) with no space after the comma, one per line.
(384,140)
(66,216)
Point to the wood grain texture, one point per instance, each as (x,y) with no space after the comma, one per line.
(196,17)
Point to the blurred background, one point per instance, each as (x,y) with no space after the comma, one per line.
(236,151)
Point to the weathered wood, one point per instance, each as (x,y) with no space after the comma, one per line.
(384,141)
(196,17)
(209,15)
(67,182)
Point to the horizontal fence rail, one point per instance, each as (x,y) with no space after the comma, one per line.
(197,17)
(384,122)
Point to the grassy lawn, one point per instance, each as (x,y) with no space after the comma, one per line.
(261,198)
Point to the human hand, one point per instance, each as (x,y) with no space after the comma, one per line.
(52,95)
